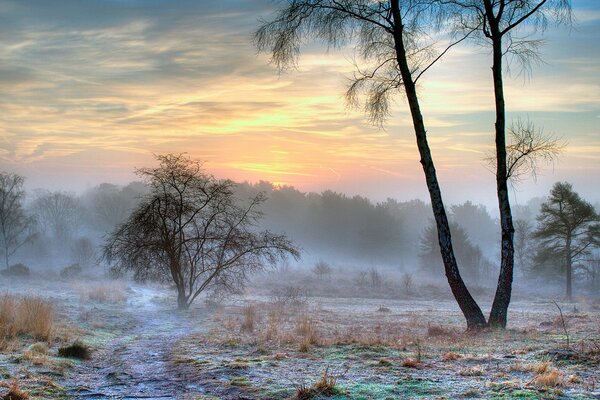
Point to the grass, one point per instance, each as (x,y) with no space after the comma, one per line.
(15,393)
(451,356)
(410,363)
(103,292)
(549,378)
(325,386)
(249,320)
(26,316)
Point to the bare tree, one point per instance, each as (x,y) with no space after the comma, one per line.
(524,245)
(83,251)
(190,229)
(110,205)
(15,225)
(394,53)
(59,213)
(509,27)
(322,269)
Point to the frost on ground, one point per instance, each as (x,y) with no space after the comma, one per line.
(289,346)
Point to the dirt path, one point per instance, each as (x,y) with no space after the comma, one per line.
(139,363)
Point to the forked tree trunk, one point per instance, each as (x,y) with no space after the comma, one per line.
(466,302)
(499,312)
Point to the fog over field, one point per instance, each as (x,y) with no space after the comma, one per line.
(299,199)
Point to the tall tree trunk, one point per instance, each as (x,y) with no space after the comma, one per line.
(466,302)
(182,299)
(569,269)
(499,312)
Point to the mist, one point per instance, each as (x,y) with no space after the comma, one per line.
(352,235)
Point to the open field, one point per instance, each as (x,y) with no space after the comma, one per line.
(286,346)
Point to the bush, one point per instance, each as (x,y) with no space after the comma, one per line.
(17,271)
(71,271)
(76,350)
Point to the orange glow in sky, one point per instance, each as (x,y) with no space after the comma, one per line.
(88,92)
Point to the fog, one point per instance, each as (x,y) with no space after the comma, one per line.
(353,236)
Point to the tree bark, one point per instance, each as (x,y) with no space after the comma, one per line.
(569,269)
(182,300)
(466,302)
(499,311)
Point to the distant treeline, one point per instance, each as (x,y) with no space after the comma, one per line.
(330,226)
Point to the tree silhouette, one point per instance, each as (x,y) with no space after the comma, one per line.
(191,230)
(508,26)
(15,224)
(568,227)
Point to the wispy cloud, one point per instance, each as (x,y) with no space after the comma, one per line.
(107,83)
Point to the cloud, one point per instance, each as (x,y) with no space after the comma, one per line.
(129,78)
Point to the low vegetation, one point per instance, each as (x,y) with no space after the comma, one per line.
(76,350)
(326,386)
(26,316)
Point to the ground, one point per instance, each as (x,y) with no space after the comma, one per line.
(275,347)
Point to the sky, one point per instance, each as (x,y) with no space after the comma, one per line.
(90,90)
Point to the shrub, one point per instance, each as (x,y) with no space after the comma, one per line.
(75,350)
(17,271)
(293,296)
(71,271)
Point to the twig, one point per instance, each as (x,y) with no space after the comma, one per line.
(564,325)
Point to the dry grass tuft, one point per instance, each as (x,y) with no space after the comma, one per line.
(440,331)
(451,356)
(27,315)
(103,292)
(472,371)
(540,367)
(39,348)
(273,322)
(410,363)
(249,321)
(550,378)
(306,327)
(326,386)
(15,393)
